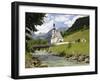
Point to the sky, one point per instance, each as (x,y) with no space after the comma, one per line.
(60,21)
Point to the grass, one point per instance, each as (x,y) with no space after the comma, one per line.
(28,60)
(31,43)
(78,35)
(73,48)
(79,48)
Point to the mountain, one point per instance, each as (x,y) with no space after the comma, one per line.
(79,37)
(39,36)
(62,29)
(80,23)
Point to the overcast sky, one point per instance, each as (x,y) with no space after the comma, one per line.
(60,21)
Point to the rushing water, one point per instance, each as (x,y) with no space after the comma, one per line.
(53,61)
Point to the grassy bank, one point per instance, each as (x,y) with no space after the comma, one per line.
(78,35)
(31,61)
(28,60)
(73,48)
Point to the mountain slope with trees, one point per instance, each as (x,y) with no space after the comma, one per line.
(78,38)
(80,24)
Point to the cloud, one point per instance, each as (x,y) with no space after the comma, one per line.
(70,22)
(60,20)
(45,27)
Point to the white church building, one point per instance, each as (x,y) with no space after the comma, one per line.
(55,36)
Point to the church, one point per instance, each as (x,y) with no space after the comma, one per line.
(55,36)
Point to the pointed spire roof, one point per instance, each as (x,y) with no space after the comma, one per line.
(54,26)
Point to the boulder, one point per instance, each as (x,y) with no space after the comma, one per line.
(86,60)
(43,65)
(74,58)
(81,58)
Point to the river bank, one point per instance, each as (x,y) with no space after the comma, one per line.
(45,59)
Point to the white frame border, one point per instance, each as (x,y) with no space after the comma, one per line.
(53,70)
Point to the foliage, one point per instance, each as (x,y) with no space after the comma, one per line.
(79,48)
(32,20)
(69,45)
(62,53)
(28,60)
(78,35)
(80,24)
(31,43)
(73,48)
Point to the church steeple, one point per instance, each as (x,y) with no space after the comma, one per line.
(54,26)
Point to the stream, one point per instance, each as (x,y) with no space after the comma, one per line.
(52,60)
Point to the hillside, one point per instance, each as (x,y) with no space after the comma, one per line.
(75,36)
(78,35)
(76,48)
(80,23)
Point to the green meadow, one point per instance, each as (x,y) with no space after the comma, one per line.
(73,48)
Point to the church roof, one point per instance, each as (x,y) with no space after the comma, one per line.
(57,33)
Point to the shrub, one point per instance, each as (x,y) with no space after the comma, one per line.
(28,60)
(69,45)
(62,53)
(31,43)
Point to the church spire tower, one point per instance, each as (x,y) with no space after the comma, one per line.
(54,26)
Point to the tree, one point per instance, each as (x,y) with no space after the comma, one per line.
(31,21)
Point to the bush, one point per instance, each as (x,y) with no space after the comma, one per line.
(69,45)
(31,43)
(28,60)
(62,53)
